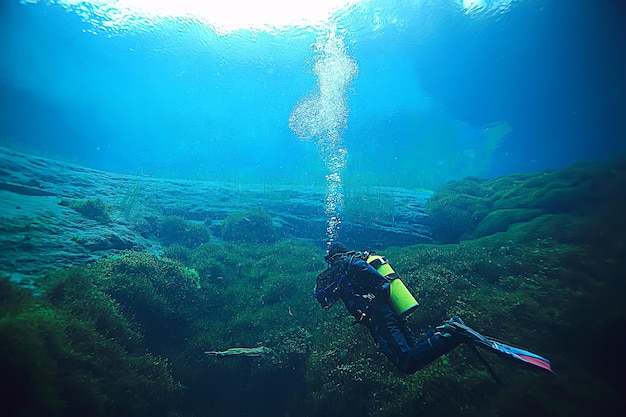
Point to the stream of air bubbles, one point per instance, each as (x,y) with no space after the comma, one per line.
(322,116)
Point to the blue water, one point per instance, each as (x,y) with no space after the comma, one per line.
(442,91)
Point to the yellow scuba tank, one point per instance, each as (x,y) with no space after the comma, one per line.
(402,300)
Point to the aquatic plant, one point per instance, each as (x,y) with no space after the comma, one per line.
(211,260)
(176,230)
(531,281)
(30,336)
(192,275)
(130,199)
(95,209)
(253,226)
(71,353)
(148,287)
(178,252)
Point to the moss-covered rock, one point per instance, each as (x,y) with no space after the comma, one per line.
(150,290)
(175,230)
(473,208)
(177,252)
(501,220)
(251,226)
(456,209)
(71,353)
(95,209)
(32,341)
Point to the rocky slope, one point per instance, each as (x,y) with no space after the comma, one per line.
(40,230)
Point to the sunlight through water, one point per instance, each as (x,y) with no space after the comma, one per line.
(223,17)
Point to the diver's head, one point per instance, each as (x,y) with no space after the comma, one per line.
(335,251)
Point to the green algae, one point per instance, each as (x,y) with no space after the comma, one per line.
(95,209)
(473,208)
(252,226)
(69,353)
(175,230)
(542,276)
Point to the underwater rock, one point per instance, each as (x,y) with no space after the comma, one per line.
(21,189)
(253,225)
(473,208)
(174,230)
(42,228)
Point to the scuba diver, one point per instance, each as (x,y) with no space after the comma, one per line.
(374,294)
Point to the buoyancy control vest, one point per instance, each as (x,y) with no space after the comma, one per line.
(327,283)
(401,298)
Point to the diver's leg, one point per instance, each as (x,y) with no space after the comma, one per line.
(428,348)
(388,330)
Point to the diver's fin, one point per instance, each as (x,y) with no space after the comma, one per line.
(482,359)
(457,326)
(519,354)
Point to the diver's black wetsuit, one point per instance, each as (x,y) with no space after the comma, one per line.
(365,293)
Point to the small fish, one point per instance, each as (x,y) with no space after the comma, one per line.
(241,351)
